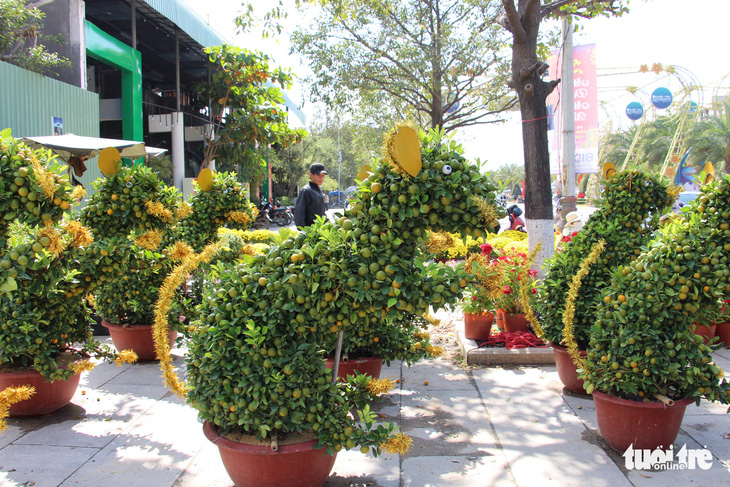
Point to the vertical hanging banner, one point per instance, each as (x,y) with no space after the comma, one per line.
(585,111)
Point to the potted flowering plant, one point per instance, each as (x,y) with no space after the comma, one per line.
(515,275)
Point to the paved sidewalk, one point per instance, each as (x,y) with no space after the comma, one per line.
(471,426)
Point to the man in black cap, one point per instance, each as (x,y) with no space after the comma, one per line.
(310,202)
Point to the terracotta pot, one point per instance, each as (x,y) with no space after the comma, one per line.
(567,370)
(137,338)
(722,331)
(48,398)
(297,465)
(499,319)
(706,332)
(371,366)
(478,326)
(645,425)
(513,322)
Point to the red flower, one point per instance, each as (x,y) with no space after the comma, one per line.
(486,249)
(506,290)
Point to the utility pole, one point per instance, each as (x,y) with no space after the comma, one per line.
(568,199)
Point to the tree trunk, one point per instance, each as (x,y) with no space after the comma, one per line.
(532,92)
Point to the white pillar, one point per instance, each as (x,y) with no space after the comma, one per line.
(178,150)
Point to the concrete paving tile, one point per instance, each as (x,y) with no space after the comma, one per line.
(709,433)
(205,469)
(41,466)
(456,471)
(439,373)
(355,469)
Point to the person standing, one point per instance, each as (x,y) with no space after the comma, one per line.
(310,202)
(326,199)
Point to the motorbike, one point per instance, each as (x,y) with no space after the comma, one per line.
(281,215)
(514,213)
(262,222)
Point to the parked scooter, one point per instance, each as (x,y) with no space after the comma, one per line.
(514,213)
(281,215)
(262,222)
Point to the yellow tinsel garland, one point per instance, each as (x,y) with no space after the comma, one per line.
(10,396)
(525,299)
(569,313)
(161,327)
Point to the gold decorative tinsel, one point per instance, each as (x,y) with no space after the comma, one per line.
(569,313)
(149,240)
(125,357)
(78,192)
(161,327)
(525,299)
(488,211)
(45,179)
(179,251)
(380,386)
(398,444)
(81,236)
(183,210)
(85,365)
(157,209)
(10,396)
(439,242)
(239,217)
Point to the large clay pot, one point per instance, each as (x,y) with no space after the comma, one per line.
(48,398)
(478,326)
(297,465)
(137,338)
(513,322)
(707,332)
(567,370)
(722,331)
(371,366)
(645,425)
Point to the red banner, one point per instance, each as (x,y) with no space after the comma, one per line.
(585,110)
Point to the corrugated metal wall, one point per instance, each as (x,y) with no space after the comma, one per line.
(29,101)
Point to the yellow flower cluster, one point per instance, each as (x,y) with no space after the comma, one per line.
(239,217)
(82,366)
(380,386)
(125,357)
(251,250)
(81,236)
(397,444)
(149,240)
(160,327)
(183,210)
(489,277)
(525,299)
(569,313)
(10,396)
(157,209)
(45,179)
(78,192)
(180,251)
(432,320)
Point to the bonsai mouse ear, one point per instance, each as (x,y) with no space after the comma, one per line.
(407,150)
(205,179)
(108,160)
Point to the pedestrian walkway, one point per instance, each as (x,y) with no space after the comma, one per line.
(470,425)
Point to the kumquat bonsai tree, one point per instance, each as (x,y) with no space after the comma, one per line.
(256,356)
(43,314)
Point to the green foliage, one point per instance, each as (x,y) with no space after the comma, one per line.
(42,311)
(21,36)
(642,343)
(162,166)
(630,198)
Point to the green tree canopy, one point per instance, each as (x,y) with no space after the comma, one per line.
(21,37)
(436,61)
